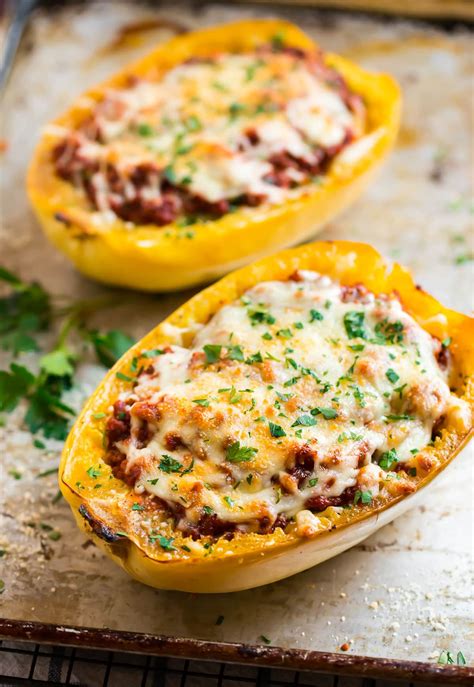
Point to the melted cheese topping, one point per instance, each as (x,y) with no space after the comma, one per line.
(194,123)
(304,373)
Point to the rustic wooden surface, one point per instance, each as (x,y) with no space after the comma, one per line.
(404,594)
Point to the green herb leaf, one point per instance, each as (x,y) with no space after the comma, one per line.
(276,430)
(145,130)
(304,421)
(364,497)
(392,375)
(315,316)
(204,402)
(327,413)
(213,353)
(169,464)
(57,363)
(14,385)
(235,353)
(260,315)
(236,453)
(388,458)
(110,346)
(354,324)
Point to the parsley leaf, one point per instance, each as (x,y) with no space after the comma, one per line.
(14,385)
(23,312)
(315,315)
(364,497)
(110,346)
(169,464)
(236,453)
(213,353)
(235,353)
(354,324)
(58,363)
(276,430)
(388,458)
(392,375)
(304,421)
(327,413)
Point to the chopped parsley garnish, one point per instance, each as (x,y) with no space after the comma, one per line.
(137,506)
(145,130)
(169,464)
(276,430)
(392,375)
(265,639)
(235,453)
(235,353)
(298,325)
(220,620)
(93,472)
(313,481)
(446,658)
(192,123)
(278,43)
(354,324)
(229,501)
(204,402)
(267,336)
(388,332)
(388,458)
(345,436)
(315,316)
(446,342)
(123,377)
(364,497)
(396,418)
(327,413)
(235,109)
(165,542)
(284,333)
(291,381)
(260,315)
(213,353)
(304,421)
(255,358)
(208,510)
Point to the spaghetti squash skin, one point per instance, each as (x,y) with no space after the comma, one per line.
(152,258)
(252,559)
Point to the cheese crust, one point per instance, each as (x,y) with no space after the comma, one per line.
(209,135)
(300,397)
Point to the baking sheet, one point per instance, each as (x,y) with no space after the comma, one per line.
(403,594)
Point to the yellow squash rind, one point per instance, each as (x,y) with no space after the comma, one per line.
(253,559)
(162,258)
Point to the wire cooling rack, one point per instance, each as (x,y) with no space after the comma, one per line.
(36,665)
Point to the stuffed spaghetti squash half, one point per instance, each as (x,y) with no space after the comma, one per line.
(219,147)
(277,418)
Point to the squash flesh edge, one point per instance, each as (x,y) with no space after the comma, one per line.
(145,258)
(349,262)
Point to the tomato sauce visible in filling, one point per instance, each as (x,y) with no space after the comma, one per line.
(233,130)
(301,396)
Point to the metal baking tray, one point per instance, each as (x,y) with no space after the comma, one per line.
(402,596)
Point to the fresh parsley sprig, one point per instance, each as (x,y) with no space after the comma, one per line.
(25,312)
